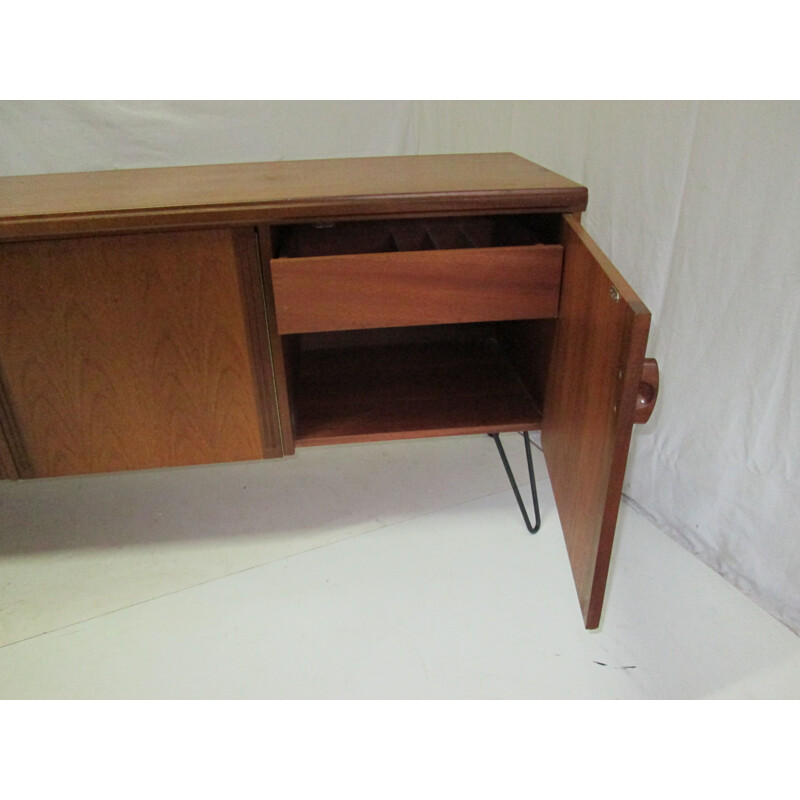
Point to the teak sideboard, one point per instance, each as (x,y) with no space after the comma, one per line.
(173,316)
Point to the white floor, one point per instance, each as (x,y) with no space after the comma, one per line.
(397,570)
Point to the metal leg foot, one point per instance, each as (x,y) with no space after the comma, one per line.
(531,528)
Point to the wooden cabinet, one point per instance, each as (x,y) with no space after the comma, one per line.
(154,318)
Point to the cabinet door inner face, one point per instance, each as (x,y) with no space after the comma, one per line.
(595,366)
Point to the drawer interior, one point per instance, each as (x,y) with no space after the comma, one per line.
(407,235)
(411,272)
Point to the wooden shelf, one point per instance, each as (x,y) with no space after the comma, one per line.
(370,393)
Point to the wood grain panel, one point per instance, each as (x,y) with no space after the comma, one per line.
(129,352)
(375,290)
(596,365)
(118,200)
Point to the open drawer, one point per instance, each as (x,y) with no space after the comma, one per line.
(393,273)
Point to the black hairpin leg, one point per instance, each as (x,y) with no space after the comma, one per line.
(532,529)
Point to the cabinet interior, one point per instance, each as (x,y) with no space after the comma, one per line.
(366,385)
(404,382)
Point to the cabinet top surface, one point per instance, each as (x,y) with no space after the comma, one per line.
(86,202)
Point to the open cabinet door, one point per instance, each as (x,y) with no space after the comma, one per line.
(590,402)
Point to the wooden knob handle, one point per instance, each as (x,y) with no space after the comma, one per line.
(648,392)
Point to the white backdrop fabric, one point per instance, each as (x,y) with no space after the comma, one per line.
(695,202)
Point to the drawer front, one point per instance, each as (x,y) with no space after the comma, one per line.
(431,287)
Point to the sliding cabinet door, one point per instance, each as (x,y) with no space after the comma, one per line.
(134,351)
